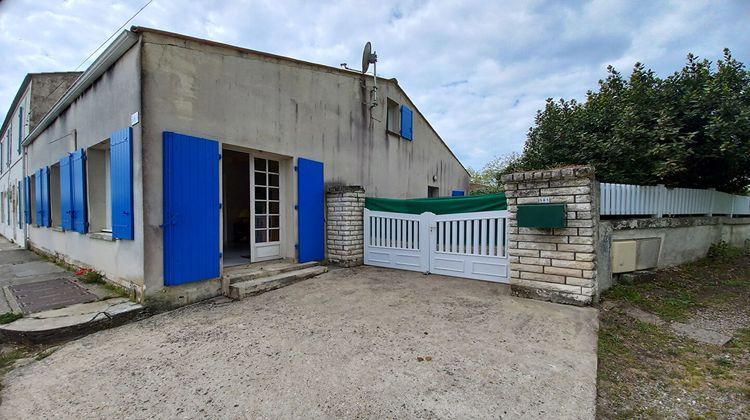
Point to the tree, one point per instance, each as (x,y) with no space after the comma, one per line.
(489,175)
(691,129)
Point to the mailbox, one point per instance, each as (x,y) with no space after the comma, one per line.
(541,215)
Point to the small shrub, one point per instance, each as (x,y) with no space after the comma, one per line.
(724,252)
(88,275)
(718,250)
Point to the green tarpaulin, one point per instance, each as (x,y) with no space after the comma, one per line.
(439,205)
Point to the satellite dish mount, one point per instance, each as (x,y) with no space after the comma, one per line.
(371,57)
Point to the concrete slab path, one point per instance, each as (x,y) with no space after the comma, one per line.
(346,344)
(22,267)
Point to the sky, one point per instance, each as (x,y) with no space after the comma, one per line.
(477,69)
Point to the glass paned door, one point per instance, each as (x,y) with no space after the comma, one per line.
(267,202)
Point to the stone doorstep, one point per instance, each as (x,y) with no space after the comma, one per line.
(241,290)
(70,322)
(252,272)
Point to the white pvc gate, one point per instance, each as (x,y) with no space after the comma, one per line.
(470,245)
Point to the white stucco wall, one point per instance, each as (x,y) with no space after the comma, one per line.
(12,173)
(102,109)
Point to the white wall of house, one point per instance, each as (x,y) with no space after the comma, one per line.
(287,108)
(100,110)
(12,224)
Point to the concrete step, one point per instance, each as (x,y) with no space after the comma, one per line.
(70,322)
(243,289)
(255,272)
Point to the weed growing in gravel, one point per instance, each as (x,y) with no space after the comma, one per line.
(9,317)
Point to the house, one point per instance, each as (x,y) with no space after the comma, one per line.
(34,98)
(173,157)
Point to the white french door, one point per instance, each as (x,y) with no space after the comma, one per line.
(266,196)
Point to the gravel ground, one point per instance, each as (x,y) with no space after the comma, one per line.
(726,320)
(345,344)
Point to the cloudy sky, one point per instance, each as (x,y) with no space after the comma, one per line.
(478,69)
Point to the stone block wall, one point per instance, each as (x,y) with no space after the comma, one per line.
(345,207)
(558,265)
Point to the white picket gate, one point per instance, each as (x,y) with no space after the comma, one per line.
(470,245)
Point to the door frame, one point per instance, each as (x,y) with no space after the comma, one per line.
(285,167)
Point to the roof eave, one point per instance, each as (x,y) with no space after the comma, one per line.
(106,59)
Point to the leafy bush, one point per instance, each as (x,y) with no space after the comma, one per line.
(691,129)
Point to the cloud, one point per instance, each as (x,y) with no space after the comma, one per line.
(478,70)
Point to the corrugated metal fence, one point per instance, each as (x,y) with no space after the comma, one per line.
(658,201)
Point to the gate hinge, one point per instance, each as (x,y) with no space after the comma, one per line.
(295,168)
(219,156)
(296,207)
(221,254)
(220,205)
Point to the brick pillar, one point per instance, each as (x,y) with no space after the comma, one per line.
(344,228)
(557,265)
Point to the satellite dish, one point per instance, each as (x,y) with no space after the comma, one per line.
(368,57)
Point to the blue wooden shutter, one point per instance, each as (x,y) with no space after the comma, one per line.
(21,217)
(121,176)
(310,210)
(20,129)
(78,189)
(191,209)
(45,197)
(406,123)
(27,199)
(66,194)
(457,193)
(38,196)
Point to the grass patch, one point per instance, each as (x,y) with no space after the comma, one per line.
(10,357)
(45,353)
(646,371)
(9,317)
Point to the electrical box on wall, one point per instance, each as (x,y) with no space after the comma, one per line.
(623,256)
(541,215)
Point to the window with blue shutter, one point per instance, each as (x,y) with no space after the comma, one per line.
(121,181)
(78,190)
(66,194)
(406,123)
(457,193)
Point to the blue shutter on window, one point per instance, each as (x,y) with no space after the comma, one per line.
(46,216)
(121,180)
(20,204)
(20,129)
(66,194)
(27,199)
(457,193)
(38,196)
(406,123)
(78,189)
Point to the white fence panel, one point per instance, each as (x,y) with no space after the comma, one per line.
(471,245)
(637,200)
(393,240)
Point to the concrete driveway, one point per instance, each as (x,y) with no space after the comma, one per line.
(345,344)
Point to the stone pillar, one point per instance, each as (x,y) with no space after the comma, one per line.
(345,225)
(557,265)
